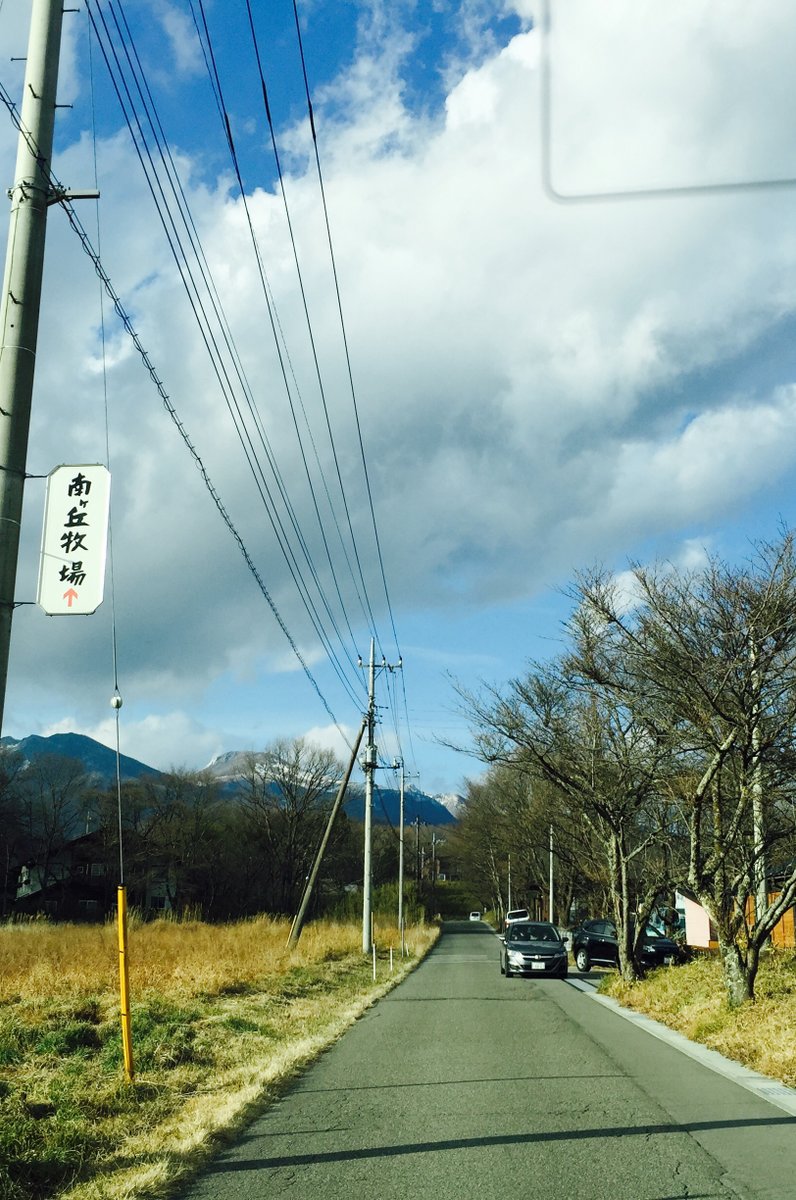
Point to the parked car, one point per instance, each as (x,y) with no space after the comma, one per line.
(595,942)
(475,916)
(515,914)
(565,935)
(533,948)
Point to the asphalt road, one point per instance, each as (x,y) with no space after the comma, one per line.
(462,1083)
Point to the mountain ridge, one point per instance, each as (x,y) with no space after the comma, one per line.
(99,763)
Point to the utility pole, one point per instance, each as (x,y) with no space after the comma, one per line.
(433,871)
(370,764)
(550,893)
(20,301)
(399,762)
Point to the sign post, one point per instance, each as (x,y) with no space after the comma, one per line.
(74,540)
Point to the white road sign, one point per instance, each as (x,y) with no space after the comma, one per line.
(74,541)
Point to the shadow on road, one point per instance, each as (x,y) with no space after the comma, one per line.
(516,1139)
(588,976)
(378,1087)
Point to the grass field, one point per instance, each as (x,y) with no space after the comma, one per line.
(222,1016)
(691,999)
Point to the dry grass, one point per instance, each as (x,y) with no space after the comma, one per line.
(222,1017)
(691,999)
(40,960)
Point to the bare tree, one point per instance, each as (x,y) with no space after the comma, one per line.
(183,837)
(505,829)
(584,741)
(481,845)
(709,666)
(52,789)
(12,834)
(287,793)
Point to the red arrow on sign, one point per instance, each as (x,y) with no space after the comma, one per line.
(70,597)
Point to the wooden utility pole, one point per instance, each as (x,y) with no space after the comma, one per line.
(31,193)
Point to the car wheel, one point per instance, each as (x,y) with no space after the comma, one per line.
(582,960)
(502,972)
(507,972)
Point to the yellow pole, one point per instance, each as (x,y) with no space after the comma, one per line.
(124,985)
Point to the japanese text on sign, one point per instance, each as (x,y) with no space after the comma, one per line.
(74,540)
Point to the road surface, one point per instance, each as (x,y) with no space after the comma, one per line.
(462,1083)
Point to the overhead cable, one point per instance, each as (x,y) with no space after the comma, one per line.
(365,604)
(59,190)
(342,320)
(169,221)
(220,368)
(281,346)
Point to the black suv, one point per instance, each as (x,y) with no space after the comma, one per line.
(595,942)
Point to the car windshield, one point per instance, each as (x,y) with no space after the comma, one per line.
(534,933)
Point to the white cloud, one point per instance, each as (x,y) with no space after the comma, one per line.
(691,555)
(330,737)
(718,456)
(539,385)
(183,40)
(171,741)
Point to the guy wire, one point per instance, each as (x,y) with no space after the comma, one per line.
(114,643)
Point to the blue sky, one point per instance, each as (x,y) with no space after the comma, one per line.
(541,385)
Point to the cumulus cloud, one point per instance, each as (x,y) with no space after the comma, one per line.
(182,38)
(166,743)
(330,737)
(539,384)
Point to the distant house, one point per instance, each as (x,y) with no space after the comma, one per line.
(783,935)
(700,931)
(73,885)
(79,884)
(447,868)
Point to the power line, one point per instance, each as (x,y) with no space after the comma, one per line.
(313,347)
(58,190)
(342,319)
(192,286)
(182,237)
(213,349)
(212,68)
